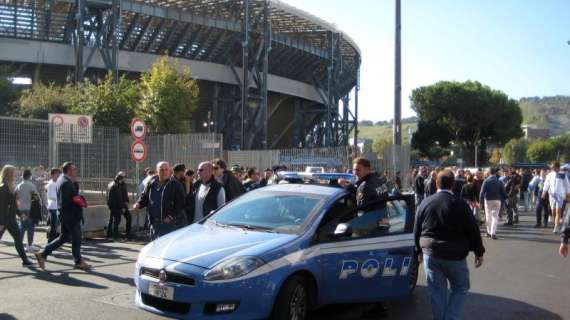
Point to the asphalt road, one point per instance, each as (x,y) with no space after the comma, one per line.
(523,278)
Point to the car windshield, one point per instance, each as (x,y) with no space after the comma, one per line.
(268,211)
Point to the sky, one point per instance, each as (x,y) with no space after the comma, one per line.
(516,46)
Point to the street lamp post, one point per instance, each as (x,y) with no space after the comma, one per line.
(209,125)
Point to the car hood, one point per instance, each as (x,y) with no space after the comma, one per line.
(204,245)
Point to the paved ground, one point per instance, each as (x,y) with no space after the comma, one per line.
(523,278)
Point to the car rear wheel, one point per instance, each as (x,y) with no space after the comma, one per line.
(414,273)
(293,301)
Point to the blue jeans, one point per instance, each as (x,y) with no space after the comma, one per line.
(27,225)
(446,304)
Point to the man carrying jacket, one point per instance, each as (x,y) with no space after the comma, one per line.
(164,198)
(70,206)
(444,233)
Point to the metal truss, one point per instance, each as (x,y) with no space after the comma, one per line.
(256,38)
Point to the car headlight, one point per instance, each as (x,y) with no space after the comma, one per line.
(233,268)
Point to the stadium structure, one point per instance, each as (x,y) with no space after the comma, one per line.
(301,73)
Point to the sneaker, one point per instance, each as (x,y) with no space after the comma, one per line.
(27,263)
(556,230)
(83,266)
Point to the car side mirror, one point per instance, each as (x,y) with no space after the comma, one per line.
(342,230)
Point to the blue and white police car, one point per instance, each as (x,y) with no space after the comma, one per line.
(278,252)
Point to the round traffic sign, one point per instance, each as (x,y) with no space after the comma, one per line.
(138,151)
(138,129)
(83,122)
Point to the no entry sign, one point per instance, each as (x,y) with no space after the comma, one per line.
(138,151)
(138,129)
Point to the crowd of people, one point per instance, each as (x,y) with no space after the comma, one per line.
(499,193)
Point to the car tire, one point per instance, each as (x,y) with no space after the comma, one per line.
(293,301)
(414,273)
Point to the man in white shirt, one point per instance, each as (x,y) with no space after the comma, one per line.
(51,190)
(557,186)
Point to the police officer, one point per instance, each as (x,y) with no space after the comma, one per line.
(370,190)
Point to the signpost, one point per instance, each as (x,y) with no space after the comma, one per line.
(139,150)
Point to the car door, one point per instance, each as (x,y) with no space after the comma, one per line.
(372,264)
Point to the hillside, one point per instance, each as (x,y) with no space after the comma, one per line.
(384,131)
(547,112)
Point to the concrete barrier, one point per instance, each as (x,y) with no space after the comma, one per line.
(97,217)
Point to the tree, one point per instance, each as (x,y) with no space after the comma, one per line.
(562,147)
(168,97)
(8,94)
(365,123)
(40,100)
(495,157)
(515,151)
(110,104)
(541,151)
(380,145)
(465,114)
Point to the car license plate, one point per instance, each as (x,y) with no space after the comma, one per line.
(161,291)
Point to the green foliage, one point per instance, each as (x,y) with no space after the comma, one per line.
(465,114)
(496,156)
(168,97)
(380,145)
(40,100)
(8,93)
(541,151)
(562,147)
(515,151)
(111,105)
(384,131)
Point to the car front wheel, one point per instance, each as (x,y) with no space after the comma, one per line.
(293,300)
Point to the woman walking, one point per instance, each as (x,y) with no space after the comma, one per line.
(8,210)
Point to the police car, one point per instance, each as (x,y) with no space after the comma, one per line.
(278,252)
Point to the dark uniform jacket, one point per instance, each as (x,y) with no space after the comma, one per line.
(419,184)
(173,202)
(8,208)
(369,192)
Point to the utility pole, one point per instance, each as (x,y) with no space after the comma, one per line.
(245,65)
(397,126)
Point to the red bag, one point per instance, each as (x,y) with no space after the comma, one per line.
(80,201)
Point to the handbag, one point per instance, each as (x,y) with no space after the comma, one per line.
(36,209)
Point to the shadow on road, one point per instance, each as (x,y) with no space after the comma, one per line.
(417,307)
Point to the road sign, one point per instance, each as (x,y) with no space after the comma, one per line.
(139,151)
(138,129)
(71,128)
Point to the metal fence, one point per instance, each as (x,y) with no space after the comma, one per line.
(100,152)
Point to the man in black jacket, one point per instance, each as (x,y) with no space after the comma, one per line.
(118,203)
(70,206)
(233,188)
(419,185)
(444,233)
(208,193)
(164,198)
